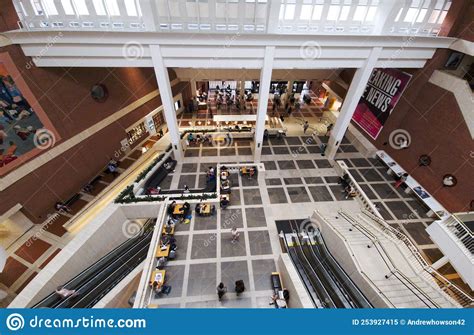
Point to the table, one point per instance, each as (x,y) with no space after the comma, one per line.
(163,232)
(158,275)
(246,170)
(163,253)
(205,209)
(178,209)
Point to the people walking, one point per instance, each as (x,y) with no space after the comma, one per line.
(235,235)
(305,126)
(221,290)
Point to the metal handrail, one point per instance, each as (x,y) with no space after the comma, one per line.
(393,269)
(452,224)
(462,297)
(371,282)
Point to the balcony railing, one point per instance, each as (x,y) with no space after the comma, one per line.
(343,17)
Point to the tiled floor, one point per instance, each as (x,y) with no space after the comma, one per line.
(296,177)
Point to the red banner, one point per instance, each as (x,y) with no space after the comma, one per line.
(381,95)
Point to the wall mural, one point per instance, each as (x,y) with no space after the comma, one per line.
(21,118)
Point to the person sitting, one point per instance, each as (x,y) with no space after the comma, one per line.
(198,208)
(157,287)
(172,221)
(190,138)
(225,186)
(161,263)
(153,190)
(112,168)
(61,207)
(65,293)
(224,174)
(350,192)
(186,208)
(251,172)
(171,207)
(224,203)
(88,188)
(345,180)
(168,166)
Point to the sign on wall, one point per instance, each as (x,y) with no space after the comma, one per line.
(380,97)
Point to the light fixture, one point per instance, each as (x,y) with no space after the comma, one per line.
(190,123)
(199,123)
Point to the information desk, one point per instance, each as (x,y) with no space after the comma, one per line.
(163,253)
(436,209)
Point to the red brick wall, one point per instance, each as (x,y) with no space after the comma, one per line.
(436,125)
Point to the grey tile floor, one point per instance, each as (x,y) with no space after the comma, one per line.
(298,175)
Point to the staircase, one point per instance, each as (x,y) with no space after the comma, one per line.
(388,263)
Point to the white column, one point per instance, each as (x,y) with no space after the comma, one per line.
(242,87)
(351,100)
(167,101)
(265,80)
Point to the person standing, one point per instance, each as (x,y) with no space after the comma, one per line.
(305,126)
(235,235)
(328,129)
(403,178)
(221,290)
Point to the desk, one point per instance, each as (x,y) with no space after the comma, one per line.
(163,253)
(206,209)
(247,170)
(163,232)
(158,275)
(178,210)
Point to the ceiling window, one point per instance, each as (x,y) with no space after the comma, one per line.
(112,7)
(68,8)
(131,7)
(333,13)
(371,14)
(37,7)
(50,7)
(81,7)
(317,12)
(306,12)
(359,14)
(344,13)
(99,7)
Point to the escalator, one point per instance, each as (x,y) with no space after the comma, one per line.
(96,281)
(327,283)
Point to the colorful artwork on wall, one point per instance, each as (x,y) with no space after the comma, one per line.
(21,118)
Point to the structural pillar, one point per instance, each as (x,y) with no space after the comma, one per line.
(242,87)
(193,87)
(265,80)
(167,100)
(351,100)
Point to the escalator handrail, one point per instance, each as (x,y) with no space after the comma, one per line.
(89,270)
(103,272)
